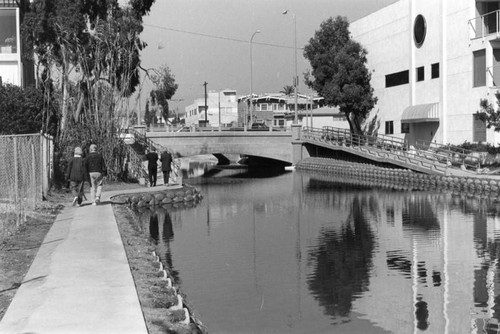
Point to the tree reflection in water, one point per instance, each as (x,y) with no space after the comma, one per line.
(343,260)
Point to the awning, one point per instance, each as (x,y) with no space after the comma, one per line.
(421,113)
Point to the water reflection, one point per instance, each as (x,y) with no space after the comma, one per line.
(296,254)
(341,262)
(160,224)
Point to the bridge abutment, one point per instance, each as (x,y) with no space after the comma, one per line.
(298,150)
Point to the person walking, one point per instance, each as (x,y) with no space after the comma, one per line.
(96,168)
(76,173)
(152,158)
(166,162)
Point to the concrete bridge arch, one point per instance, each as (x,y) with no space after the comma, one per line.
(274,145)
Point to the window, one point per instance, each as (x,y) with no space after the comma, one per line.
(389,127)
(8,35)
(405,127)
(263,107)
(420,73)
(496,67)
(419,30)
(435,71)
(479,129)
(479,58)
(396,79)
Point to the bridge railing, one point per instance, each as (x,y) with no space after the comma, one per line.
(210,128)
(436,154)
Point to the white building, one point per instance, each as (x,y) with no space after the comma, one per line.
(10,57)
(432,61)
(222,109)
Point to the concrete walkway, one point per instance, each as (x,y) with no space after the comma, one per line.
(80,279)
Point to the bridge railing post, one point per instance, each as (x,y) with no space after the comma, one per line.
(296,132)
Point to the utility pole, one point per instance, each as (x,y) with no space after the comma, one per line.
(206,107)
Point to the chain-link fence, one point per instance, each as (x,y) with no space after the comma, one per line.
(26,170)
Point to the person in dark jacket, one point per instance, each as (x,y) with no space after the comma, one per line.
(76,173)
(96,168)
(166,161)
(152,158)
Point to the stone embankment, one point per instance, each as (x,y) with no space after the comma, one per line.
(403,179)
(167,296)
(187,194)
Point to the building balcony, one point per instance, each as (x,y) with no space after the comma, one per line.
(485,26)
(8,3)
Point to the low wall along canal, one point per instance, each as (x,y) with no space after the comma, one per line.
(401,179)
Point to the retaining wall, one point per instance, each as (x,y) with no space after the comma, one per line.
(403,179)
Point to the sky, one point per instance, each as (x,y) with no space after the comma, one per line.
(209,41)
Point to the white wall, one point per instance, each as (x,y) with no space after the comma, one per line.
(9,71)
(387,35)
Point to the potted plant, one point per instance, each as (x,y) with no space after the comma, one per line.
(10,43)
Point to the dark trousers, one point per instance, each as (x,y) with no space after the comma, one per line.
(152,176)
(166,176)
(77,189)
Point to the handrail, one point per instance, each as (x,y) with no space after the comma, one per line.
(145,141)
(486,29)
(440,156)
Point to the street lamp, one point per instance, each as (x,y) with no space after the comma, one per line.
(296,78)
(251,78)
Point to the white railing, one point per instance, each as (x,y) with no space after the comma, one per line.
(434,157)
(485,25)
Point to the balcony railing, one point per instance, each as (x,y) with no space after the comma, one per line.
(485,25)
(8,3)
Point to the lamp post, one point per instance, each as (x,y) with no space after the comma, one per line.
(296,78)
(251,79)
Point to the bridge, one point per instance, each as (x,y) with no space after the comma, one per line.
(289,147)
(272,145)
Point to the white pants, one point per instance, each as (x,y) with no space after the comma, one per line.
(95,185)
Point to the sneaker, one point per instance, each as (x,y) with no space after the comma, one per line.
(75,200)
(97,200)
(95,203)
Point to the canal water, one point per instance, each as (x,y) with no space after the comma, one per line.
(303,253)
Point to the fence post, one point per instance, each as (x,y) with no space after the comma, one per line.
(34,182)
(16,182)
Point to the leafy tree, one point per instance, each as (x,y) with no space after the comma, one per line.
(22,111)
(166,87)
(488,114)
(339,73)
(92,50)
(147,115)
(94,41)
(288,90)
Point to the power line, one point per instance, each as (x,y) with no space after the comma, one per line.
(218,37)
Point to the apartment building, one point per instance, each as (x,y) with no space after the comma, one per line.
(432,61)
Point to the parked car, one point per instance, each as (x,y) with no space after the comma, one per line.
(259,127)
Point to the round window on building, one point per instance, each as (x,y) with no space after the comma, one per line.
(419,30)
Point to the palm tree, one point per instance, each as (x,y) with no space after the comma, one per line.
(287,90)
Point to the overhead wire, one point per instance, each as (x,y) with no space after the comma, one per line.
(218,37)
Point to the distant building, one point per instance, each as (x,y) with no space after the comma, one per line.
(323,116)
(432,62)
(277,109)
(271,109)
(13,69)
(222,109)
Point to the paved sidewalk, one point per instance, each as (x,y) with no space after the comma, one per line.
(80,280)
